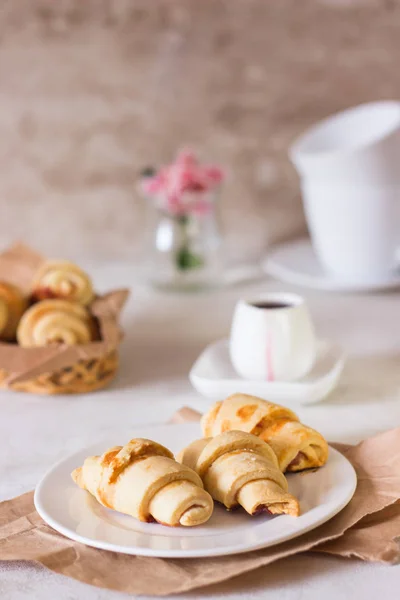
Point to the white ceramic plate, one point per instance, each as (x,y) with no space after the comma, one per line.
(214,377)
(77,515)
(296,263)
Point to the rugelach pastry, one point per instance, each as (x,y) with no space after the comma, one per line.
(12,306)
(55,322)
(296,446)
(142,479)
(239,469)
(64,280)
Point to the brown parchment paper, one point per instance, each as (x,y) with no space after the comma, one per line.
(366,529)
(18,265)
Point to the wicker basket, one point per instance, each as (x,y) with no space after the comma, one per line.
(82,377)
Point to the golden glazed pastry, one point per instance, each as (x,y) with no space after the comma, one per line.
(55,322)
(64,280)
(12,306)
(238,468)
(297,446)
(143,480)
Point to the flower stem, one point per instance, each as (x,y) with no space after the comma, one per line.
(185,258)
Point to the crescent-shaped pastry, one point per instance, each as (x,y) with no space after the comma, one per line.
(64,280)
(237,468)
(297,446)
(12,306)
(55,322)
(143,480)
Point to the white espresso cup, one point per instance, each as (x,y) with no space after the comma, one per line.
(272,338)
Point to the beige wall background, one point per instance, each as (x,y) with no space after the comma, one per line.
(91,91)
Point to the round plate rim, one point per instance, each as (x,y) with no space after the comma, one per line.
(199,553)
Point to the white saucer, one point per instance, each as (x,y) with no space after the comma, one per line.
(296,263)
(214,377)
(77,515)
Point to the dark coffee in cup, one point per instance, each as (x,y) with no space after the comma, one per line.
(271,305)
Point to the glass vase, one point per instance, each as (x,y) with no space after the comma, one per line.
(184,251)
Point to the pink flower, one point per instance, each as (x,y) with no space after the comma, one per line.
(185,176)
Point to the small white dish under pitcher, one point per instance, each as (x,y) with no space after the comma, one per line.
(214,376)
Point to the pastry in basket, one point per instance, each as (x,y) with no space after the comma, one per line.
(55,322)
(12,305)
(143,480)
(238,468)
(297,446)
(64,280)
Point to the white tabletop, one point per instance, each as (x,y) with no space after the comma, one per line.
(165,334)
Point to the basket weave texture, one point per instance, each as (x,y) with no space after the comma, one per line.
(82,377)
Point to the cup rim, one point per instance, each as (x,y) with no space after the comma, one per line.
(290,299)
(302,145)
